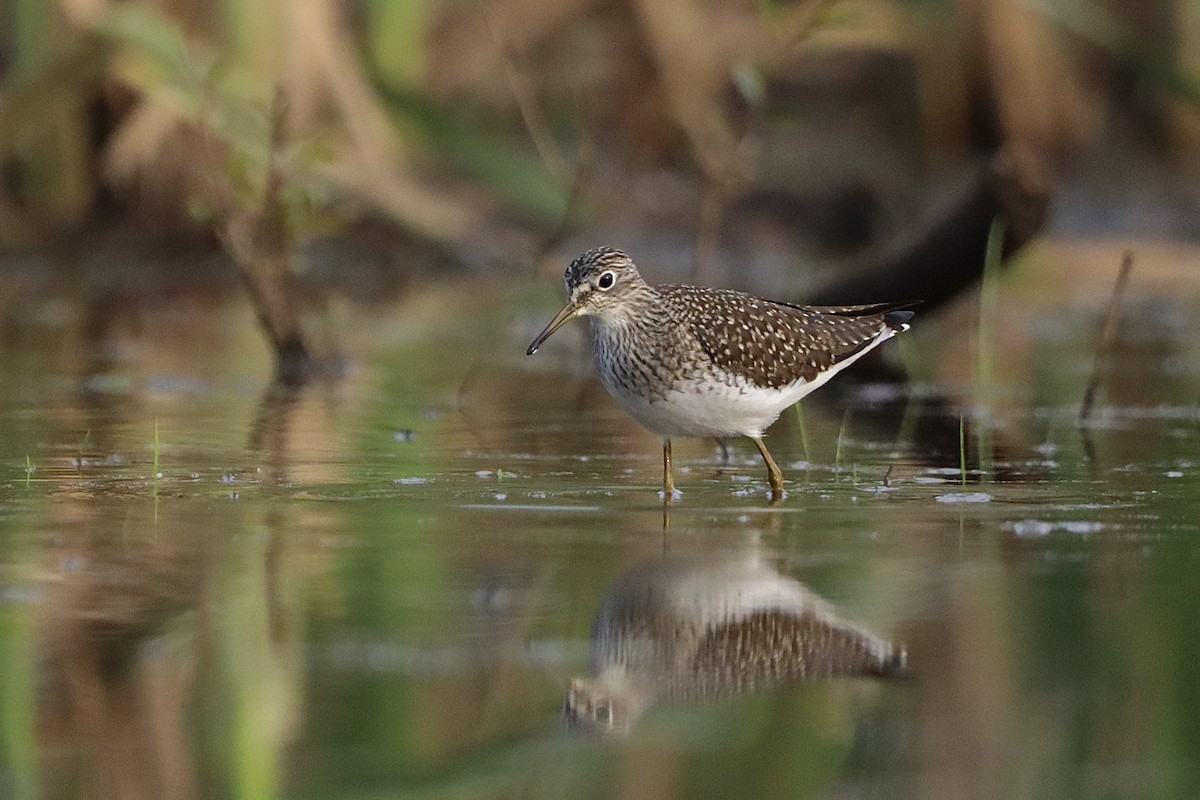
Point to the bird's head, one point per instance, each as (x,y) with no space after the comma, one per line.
(599,283)
(604,705)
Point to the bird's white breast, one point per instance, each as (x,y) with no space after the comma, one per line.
(721,405)
(695,408)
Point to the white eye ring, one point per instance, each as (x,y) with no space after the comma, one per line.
(606,280)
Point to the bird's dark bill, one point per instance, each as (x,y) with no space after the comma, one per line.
(567,312)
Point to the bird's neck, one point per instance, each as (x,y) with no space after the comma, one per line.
(642,310)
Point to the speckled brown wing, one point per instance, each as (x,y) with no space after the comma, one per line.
(773,647)
(775,344)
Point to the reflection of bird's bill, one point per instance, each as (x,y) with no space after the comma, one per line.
(575,713)
(566,313)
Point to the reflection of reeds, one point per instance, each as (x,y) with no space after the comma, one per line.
(18,726)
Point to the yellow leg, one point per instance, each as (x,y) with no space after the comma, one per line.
(668,477)
(774,474)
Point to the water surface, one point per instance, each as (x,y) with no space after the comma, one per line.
(383,586)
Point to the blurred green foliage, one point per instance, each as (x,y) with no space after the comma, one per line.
(222,84)
(71,82)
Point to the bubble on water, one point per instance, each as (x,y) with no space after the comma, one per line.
(412,481)
(964,497)
(484,473)
(1032,528)
(1174,474)
(501,496)
(1037,528)
(1082,527)
(1047,449)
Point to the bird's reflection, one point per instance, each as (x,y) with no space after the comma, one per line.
(689,631)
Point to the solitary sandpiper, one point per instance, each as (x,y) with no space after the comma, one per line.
(692,361)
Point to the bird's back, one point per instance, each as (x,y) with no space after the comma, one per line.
(774,344)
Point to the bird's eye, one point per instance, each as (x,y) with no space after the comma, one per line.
(604,714)
(606,280)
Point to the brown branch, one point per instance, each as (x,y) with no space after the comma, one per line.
(263,245)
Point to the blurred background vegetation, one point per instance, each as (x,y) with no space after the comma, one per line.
(779,147)
(468,124)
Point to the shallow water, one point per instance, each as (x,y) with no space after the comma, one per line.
(383,586)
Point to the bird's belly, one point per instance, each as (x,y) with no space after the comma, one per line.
(708,409)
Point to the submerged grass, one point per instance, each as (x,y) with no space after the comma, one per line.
(1108,336)
(155,474)
(962,450)
(83,445)
(985,354)
(837,456)
(803,430)
(19,663)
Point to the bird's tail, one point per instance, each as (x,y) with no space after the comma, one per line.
(898,320)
